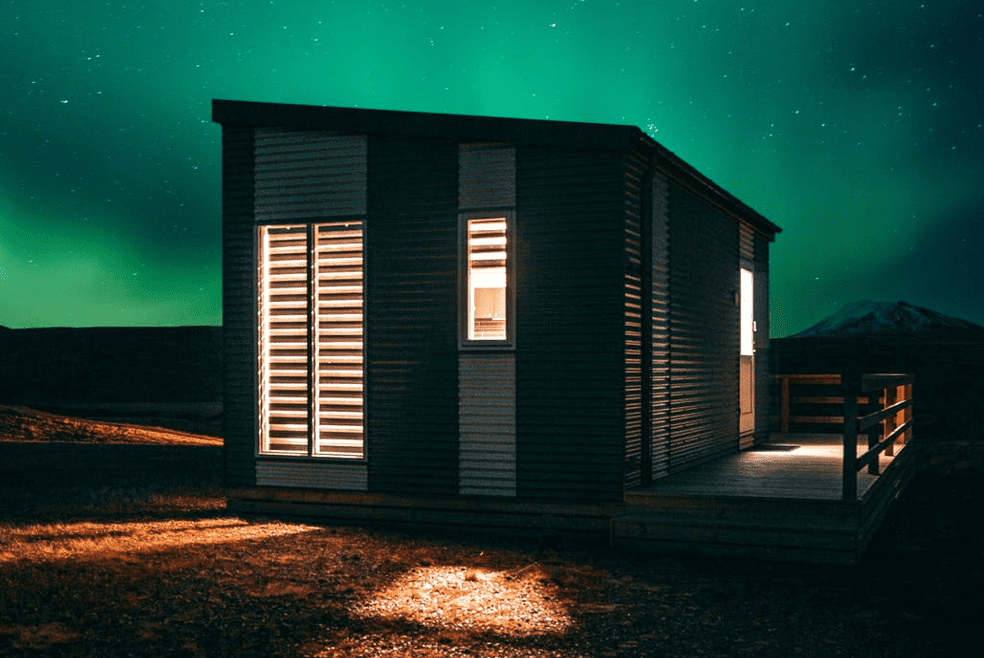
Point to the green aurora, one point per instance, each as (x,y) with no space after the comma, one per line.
(856,127)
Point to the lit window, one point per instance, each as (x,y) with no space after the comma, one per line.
(487,302)
(311,340)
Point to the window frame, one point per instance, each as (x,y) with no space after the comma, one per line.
(465,343)
(311,233)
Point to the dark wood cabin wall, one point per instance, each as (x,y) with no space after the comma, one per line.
(238,306)
(570,263)
(634,169)
(704,330)
(411,316)
(659,330)
(763,388)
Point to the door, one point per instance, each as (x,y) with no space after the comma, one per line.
(746,424)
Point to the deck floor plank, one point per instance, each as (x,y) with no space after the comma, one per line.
(812,471)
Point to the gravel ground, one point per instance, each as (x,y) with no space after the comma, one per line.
(165,570)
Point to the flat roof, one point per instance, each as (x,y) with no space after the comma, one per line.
(472,128)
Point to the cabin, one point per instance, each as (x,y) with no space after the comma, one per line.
(433,317)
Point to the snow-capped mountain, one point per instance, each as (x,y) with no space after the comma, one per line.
(892,319)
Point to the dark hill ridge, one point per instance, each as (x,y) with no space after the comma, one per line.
(945,354)
(111,365)
(898,319)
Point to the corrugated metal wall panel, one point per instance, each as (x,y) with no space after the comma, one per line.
(238,306)
(746,247)
(704,330)
(632,317)
(487,422)
(486,176)
(659,414)
(762,357)
(313,475)
(570,266)
(411,316)
(307,174)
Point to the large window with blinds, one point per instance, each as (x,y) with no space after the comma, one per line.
(311,379)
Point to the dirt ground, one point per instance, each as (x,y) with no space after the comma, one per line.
(163,570)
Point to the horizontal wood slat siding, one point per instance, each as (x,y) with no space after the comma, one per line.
(411,316)
(313,475)
(704,330)
(634,168)
(487,176)
(569,310)
(659,413)
(487,421)
(762,344)
(307,174)
(746,246)
(238,306)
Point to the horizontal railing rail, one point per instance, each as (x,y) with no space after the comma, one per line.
(877,405)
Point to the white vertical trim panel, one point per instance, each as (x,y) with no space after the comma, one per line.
(487,424)
(486,176)
(309,174)
(313,475)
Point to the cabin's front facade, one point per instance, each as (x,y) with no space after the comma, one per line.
(479,312)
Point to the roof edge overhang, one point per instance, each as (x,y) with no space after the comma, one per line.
(453,127)
(473,128)
(672,166)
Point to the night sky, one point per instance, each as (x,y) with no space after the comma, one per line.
(855,126)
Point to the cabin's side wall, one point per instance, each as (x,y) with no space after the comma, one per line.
(763,388)
(634,170)
(704,329)
(411,316)
(570,290)
(238,306)
(660,391)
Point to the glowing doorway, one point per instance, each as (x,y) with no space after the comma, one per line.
(746,424)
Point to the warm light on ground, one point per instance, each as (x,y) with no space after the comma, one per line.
(517,603)
(87,540)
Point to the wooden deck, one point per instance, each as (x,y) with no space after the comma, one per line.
(767,503)
(760,503)
(795,467)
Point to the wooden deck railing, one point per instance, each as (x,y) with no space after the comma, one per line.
(877,405)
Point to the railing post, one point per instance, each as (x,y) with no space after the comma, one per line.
(890,423)
(910,411)
(851,387)
(874,468)
(785,404)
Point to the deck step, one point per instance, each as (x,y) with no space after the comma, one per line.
(752,519)
(710,531)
